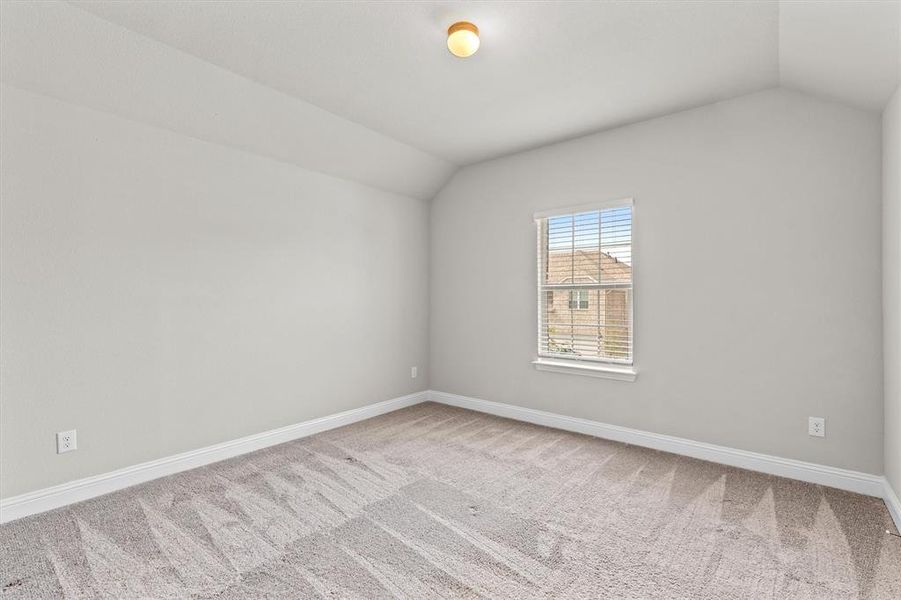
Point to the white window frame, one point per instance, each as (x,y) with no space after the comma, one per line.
(621,371)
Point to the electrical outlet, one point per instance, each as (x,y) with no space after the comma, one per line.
(816,426)
(413,372)
(66,441)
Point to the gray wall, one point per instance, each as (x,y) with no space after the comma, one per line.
(891,264)
(757,277)
(162,293)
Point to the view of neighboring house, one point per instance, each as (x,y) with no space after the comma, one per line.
(589,317)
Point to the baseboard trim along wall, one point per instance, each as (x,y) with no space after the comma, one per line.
(853,481)
(57,496)
(893,503)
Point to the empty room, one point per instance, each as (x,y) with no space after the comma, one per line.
(451,299)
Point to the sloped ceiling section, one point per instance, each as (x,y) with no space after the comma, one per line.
(547,70)
(367,90)
(847,51)
(64,52)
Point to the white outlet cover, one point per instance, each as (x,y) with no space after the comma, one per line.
(413,372)
(816,426)
(66,441)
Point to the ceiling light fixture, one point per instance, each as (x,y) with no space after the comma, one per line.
(463,39)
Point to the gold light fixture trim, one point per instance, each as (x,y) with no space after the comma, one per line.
(463,39)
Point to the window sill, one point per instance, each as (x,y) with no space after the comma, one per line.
(605,371)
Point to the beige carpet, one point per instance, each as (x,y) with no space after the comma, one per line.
(434,501)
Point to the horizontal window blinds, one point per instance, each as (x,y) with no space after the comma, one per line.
(585,284)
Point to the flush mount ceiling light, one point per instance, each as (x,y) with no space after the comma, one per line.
(463,39)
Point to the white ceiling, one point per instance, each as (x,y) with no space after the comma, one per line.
(57,50)
(848,51)
(546,70)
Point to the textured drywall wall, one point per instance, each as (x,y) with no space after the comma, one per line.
(757,277)
(161,293)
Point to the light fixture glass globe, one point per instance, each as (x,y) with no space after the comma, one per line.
(463,39)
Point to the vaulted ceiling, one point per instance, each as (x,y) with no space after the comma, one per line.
(546,70)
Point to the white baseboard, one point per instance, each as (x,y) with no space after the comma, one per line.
(83,489)
(893,503)
(49,498)
(853,481)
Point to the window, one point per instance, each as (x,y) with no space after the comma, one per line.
(578,299)
(585,288)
